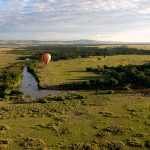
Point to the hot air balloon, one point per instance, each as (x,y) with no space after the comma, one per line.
(46,58)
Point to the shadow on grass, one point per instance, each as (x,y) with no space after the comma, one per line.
(85,78)
(75,71)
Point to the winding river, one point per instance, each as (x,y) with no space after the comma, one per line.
(29,86)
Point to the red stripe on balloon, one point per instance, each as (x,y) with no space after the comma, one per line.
(46,58)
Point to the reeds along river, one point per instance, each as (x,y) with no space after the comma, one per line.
(29,86)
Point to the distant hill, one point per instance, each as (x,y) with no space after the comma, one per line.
(75,42)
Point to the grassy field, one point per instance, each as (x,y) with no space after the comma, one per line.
(75,70)
(6,58)
(144,47)
(95,121)
(88,120)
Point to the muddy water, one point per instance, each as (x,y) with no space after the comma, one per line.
(29,86)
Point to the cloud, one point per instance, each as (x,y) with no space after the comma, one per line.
(72,17)
(145,11)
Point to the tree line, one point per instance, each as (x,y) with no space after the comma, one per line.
(10,79)
(71,52)
(115,78)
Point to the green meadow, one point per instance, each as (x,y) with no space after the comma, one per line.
(74,70)
(75,120)
(139,46)
(6,58)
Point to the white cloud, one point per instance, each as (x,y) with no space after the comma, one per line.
(145,11)
(74,18)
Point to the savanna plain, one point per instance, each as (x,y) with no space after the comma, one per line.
(104,103)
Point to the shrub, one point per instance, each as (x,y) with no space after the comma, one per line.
(108,114)
(110,92)
(60,98)
(116,130)
(147,143)
(84,147)
(80,96)
(2,141)
(117,145)
(139,135)
(4,144)
(147,123)
(134,142)
(33,143)
(43,100)
(102,134)
(3,128)
(96,125)
(63,131)
(16,92)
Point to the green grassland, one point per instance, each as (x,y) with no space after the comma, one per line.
(74,70)
(83,120)
(138,46)
(6,58)
(145,47)
(94,121)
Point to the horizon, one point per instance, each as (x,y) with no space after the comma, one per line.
(67,20)
(81,40)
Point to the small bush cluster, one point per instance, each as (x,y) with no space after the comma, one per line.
(42,100)
(61,98)
(4,144)
(139,135)
(147,144)
(102,145)
(54,126)
(147,123)
(36,109)
(117,145)
(102,134)
(81,146)
(97,125)
(33,143)
(134,142)
(108,114)
(4,128)
(116,130)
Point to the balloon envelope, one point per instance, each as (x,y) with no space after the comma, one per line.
(46,58)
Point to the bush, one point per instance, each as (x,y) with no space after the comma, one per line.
(33,143)
(108,114)
(16,92)
(60,98)
(139,135)
(80,97)
(84,147)
(116,130)
(147,143)
(4,128)
(110,92)
(147,123)
(4,144)
(43,100)
(102,134)
(134,142)
(117,145)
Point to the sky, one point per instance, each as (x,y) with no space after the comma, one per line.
(61,20)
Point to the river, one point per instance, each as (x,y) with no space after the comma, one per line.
(29,86)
